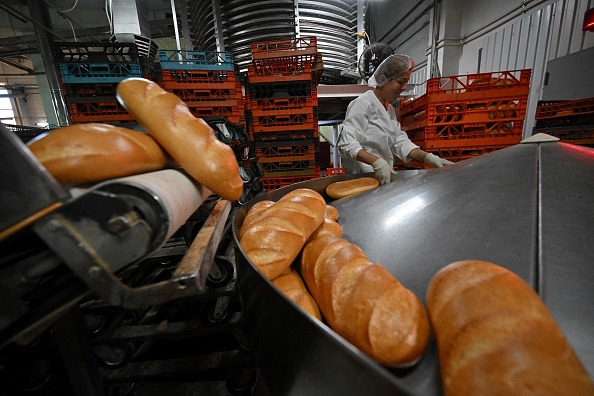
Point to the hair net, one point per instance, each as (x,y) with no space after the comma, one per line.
(390,68)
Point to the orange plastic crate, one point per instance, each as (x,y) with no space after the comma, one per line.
(565,108)
(98,112)
(273,183)
(283,120)
(284,136)
(206,94)
(483,110)
(206,111)
(289,168)
(304,75)
(291,150)
(198,76)
(510,85)
(275,104)
(477,134)
(299,46)
(454,154)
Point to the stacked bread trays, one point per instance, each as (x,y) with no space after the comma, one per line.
(90,72)
(460,117)
(572,121)
(205,80)
(282,109)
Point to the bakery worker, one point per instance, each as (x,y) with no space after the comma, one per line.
(371,133)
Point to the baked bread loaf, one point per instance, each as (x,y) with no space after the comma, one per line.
(347,188)
(87,153)
(328,227)
(365,303)
(274,238)
(331,212)
(189,140)
(253,214)
(292,286)
(495,336)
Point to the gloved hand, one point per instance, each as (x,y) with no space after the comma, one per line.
(382,171)
(436,162)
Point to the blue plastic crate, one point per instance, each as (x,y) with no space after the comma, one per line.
(195,60)
(73,73)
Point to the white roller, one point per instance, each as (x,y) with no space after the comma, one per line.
(179,195)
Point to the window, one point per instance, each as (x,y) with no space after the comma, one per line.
(6,112)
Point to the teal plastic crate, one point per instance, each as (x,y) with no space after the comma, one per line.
(195,60)
(73,73)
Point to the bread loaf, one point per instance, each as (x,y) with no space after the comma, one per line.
(331,212)
(328,227)
(86,153)
(347,188)
(291,285)
(365,303)
(495,336)
(275,237)
(189,140)
(253,214)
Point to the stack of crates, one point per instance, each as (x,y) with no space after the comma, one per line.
(460,117)
(206,81)
(571,121)
(282,109)
(89,75)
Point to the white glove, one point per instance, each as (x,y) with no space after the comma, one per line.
(382,171)
(436,162)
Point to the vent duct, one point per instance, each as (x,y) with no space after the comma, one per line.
(129,20)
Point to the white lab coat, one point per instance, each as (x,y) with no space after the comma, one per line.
(370,126)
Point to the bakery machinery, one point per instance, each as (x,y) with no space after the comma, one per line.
(127,285)
(526,208)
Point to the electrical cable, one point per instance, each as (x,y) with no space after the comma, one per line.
(72,8)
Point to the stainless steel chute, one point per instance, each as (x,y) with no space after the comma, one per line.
(525,207)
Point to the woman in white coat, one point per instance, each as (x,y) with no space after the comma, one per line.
(371,133)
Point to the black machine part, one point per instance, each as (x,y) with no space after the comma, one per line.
(525,207)
(27,187)
(372,56)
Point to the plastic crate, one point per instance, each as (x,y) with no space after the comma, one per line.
(284,136)
(502,85)
(206,93)
(274,183)
(198,77)
(454,154)
(90,89)
(505,110)
(273,104)
(195,60)
(276,149)
(582,135)
(306,47)
(75,52)
(477,134)
(98,112)
(73,73)
(209,111)
(280,89)
(565,108)
(286,151)
(283,122)
(301,74)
